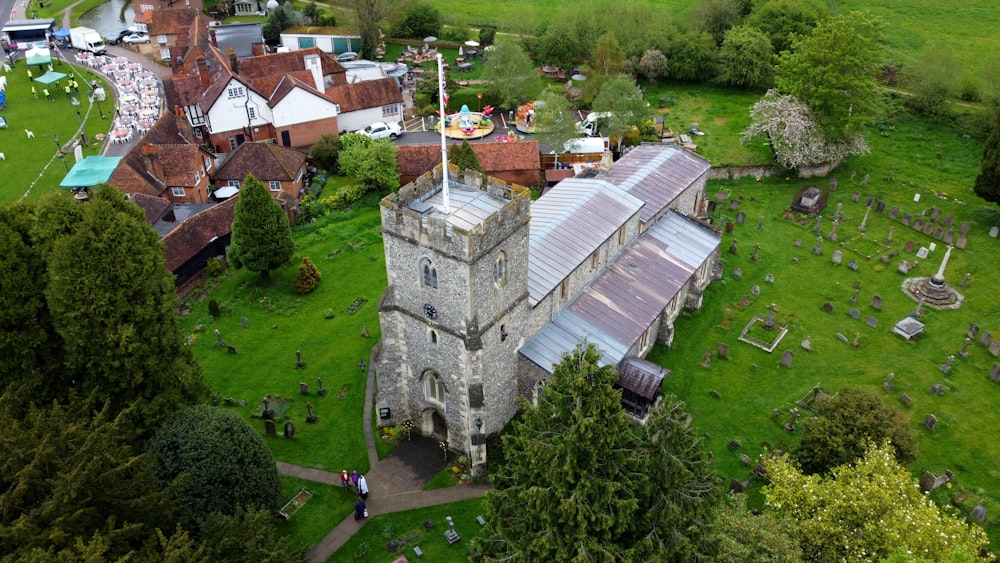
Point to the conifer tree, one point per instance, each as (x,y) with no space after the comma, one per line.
(464,157)
(308,277)
(987,184)
(262,238)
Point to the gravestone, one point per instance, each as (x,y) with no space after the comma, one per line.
(270,428)
(734,204)
(962,241)
(928,228)
(836,214)
(290,430)
(918,225)
(978,514)
(893,213)
(755,290)
(798,242)
(218,338)
(819,225)
(738,273)
(995,373)
(856,197)
(965,280)
(930,421)
(855,314)
(964,228)
(949,235)
(853,265)
(729,228)
(906,219)
(906,399)
(842,338)
(939,232)
(807,344)
(904,267)
(870,201)
(909,246)
(231,349)
(818,249)
(935,214)
(995,348)
(706,360)
(854,298)
(985,338)
(321,392)
(720,196)
(245,322)
(888,239)
(964,352)
(745,459)
(760,223)
(923,252)
(711,207)
(937,389)
(786,358)
(948,220)
(740,218)
(946,366)
(932,246)
(756,249)
(303,388)
(857,284)
(877,301)
(450,534)
(732,247)
(828,307)
(722,349)
(994,231)
(837,257)
(880,206)
(973,330)
(833,184)
(769,278)
(871,321)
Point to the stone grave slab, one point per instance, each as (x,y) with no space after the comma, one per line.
(930,422)
(722,349)
(871,322)
(906,219)
(995,373)
(738,273)
(923,252)
(769,278)
(985,338)
(962,241)
(729,228)
(973,330)
(904,267)
(870,201)
(939,232)
(949,235)
(853,265)
(935,214)
(893,213)
(928,228)
(877,301)
(948,220)
(856,197)
(906,399)
(855,314)
(828,307)
(837,257)
(880,206)
(908,247)
(755,290)
(995,348)
(786,358)
(964,228)
(734,204)
(918,225)
(994,231)
(740,218)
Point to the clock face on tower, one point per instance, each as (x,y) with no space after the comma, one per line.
(430,311)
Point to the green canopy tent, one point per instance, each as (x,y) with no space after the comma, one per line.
(38,56)
(50,77)
(90,171)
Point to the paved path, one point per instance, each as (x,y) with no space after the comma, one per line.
(396,482)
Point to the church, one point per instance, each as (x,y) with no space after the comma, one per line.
(487,290)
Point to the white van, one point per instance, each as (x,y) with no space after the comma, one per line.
(583,145)
(590,126)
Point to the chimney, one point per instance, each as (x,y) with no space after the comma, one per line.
(183,125)
(206,80)
(152,162)
(232,59)
(211,36)
(313,64)
(257,49)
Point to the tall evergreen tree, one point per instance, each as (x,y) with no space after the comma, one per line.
(464,157)
(577,483)
(262,238)
(987,184)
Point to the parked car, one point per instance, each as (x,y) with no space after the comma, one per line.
(346,56)
(117,38)
(135,38)
(382,130)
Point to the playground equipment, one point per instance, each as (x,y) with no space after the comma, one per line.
(466,124)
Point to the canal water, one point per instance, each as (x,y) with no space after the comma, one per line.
(106,18)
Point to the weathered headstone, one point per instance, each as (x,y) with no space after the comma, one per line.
(786,358)
(928,228)
(734,204)
(871,321)
(908,247)
(962,242)
(939,232)
(994,231)
(932,246)
(842,338)
(740,218)
(965,280)
(893,213)
(935,214)
(218,338)
(270,428)
(964,228)
(906,399)
(231,349)
(836,214)
(906,219)
(854,298)
(828,307)
(819,225)
(818,249)
(918,225)
(973,330)
(807,344)
(937,389)
(964,352)
(798,242)
(888,239)
(978,514)
(870,201)
(856,197)
(948,220)
(837,257)
(995,373)
(299,364)
(755,290)
(706,360)
(290,430)
(729,228)
(311,418)
(833,184)
(722,349)
(888,386)
(769,278)
(995,348)
(732,247)
(930,421)
(833,231)
(756,250)
(745,459)
(760,223)
(923,252)
(877,301)
(904,267)
(853,265)
(320,391)
(855,314)
(738,273)
(985,338)
(303,388)
(949,235)
(880,206)
(946,366)
(245,322)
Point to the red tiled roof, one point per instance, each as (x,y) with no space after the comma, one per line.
(283,63)
(415,160)
(152,205)
(367,94)
(178,157)
(266,161)
(172,21)
(194,234)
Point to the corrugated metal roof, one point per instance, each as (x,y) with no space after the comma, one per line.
(469,207)
(623,301)
(641,377)
(656,174)
(568,224)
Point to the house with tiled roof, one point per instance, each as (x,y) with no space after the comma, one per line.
(171,28)
(281,169)
(514,163)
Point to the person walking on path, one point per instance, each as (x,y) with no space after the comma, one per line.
(363,487)
(360,510)
(344,479)
(354,479)
(34,92)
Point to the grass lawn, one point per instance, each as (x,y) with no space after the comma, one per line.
(32,167)
(347,249)
(369,544)
(327,506)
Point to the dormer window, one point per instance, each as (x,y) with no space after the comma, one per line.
(235,92)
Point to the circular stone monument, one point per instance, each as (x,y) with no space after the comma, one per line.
(934,291)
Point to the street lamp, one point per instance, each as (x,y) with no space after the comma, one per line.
(83,132)
(56,139)
(62,157)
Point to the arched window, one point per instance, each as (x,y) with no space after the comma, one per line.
(500,268)
(428,273)
(433,387)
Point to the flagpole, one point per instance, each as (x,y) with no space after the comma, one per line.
(444,146)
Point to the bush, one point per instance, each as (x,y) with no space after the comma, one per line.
(487,34)
(213,309)
(308,277)
(214,267)
(225,463)
(344,197)
(326,153)
(457,32)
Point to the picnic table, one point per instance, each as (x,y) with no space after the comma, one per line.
(464,67)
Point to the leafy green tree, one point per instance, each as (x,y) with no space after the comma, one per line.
(987,185)
(369,16)
(487,35)
(747,59)
(577,483)
(248,536)
(653,65)
(834,72)
(608,57)
(866,511)
(933,79)
(325,153)
(464,157)
(558,43)
(784,20)
(741,535)
(372,163)
(311,12)
(716,17)
(421,20)
(554,124)
(694,57)
(262,238)
(278,21)
(844,427)
(629,111)
(509,76)
(224,462)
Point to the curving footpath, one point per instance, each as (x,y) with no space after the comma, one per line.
(397,481)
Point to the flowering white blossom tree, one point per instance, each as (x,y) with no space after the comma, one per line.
(795,138)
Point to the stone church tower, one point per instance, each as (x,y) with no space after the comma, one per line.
(456,309)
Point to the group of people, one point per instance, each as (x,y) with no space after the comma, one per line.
(357,482)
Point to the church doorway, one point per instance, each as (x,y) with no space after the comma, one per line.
(434,425)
